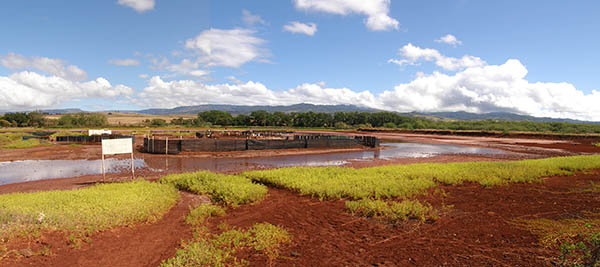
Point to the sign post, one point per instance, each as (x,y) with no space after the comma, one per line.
(117,146)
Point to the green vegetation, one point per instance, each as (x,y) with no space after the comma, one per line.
(83,120)
(596,144)
(578,239)
(23,119)
(230,190)
(391,211)
(220,249)
(198,215)
(84,211)
(15,141)
(408,180)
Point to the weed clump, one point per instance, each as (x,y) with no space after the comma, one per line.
(230,190)
(220,249)
(391,211)
(198,215)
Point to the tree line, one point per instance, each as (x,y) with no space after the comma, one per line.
(338,120)
(38,120)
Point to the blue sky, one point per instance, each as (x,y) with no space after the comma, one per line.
(529,57)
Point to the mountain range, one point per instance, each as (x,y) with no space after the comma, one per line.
(241,109)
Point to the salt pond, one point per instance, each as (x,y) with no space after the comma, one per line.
(32,170)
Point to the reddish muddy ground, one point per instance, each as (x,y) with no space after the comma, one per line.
(477,230)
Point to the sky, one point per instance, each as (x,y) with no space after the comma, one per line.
(533,57)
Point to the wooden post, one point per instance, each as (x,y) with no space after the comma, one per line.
(132,168)
(167,146)
(103,172)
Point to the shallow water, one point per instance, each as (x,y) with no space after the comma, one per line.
(31,170)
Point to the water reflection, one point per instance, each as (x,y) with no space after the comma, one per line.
(31,170)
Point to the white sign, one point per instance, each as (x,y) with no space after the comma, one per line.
(99,132)
(117,146)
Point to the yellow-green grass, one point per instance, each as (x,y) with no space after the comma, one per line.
(15,141)
(596,144)
(220,249)
(552,233)
(198,215)
(230,190)
(84,211)
(391,211)
(408,180)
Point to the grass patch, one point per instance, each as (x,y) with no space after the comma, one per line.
(596,144)
(198,215)
(409,180)
(577,239)
(552,233)
(220,249)
(15,141)
(230,190)
(84,211)
(391,211)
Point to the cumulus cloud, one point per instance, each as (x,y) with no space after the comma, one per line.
(30,90)
(376,11)
(479,89)
(228,48)
(187,67)
(138,5)
(250,19)
(124,62)
(302,28)
(168,94)
(449,39)
(56,67)
(413,54)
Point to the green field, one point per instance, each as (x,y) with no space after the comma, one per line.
(408,180)
(84,211)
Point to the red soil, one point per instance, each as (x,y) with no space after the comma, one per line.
(477,230)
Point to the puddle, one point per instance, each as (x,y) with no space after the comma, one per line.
(31,170)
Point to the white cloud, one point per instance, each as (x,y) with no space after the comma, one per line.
(449,39)
(229,48)
(302,28)
(187,67)
(139,5)
(377,11)
(56,67)
(250,19)
(413,54)
(143,76)
(30,90)
(492,88)
(124,62)
(489,88)
(161,93)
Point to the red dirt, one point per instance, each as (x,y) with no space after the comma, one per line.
(476,231)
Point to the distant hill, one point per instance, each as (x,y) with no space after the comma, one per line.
(502,116)
(62,111)
(235,109)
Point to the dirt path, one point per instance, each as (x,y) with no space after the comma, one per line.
(141,245)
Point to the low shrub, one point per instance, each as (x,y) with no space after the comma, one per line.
(390,211)
(199,214)
(220,249)
(231,190)
(408,180)
(84,211)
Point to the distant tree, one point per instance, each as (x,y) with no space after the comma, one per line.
(157,123)
(216,117)
(4,123)
(83,120)
(259,117)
